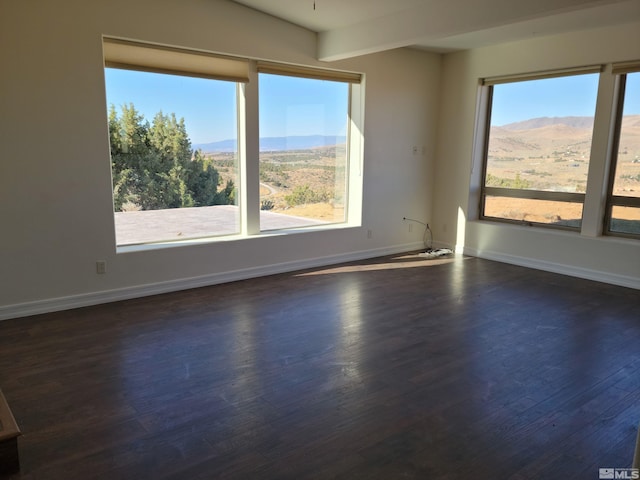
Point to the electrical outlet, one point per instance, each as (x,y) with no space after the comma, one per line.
(101,267)
(369,234)
(410,227)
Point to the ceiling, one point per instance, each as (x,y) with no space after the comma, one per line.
(348,28)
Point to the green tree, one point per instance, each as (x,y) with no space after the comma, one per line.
(227,196)
(154,167)
(129,155)
(202,180)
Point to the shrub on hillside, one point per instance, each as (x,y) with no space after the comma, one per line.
(304,194)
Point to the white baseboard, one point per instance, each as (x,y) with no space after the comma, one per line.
(95,298)
(573,271)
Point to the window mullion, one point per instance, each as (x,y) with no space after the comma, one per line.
(535,194)
(249,146)
(601,152)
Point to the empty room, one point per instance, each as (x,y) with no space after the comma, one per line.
(319,239)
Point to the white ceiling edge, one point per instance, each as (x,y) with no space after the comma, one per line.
(350,28)
(602,16)
(456,26)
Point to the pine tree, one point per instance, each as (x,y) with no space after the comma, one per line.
(154,167)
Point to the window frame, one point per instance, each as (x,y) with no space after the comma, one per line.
(531,194)
(248,133)
(621,71)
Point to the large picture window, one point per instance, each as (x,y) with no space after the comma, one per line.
(623,209)
(537,149)
(183,145)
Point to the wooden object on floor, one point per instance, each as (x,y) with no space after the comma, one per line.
(9,433)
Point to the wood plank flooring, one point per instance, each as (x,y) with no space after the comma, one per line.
(397,367)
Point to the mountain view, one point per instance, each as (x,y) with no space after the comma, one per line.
(546,153)
(533,123)
(304,177)
(158,175)
(273,144)
(552,154)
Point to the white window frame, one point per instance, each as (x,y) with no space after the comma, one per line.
(597,200)
(134,55)
(483,126)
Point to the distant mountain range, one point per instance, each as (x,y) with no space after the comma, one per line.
(555,137)
(573,122)
(301,142)
(571,129)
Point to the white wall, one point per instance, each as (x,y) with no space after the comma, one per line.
(609,259)
(55,189)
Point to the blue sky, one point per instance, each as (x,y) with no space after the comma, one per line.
(288,105)
(632,95)
(208,107)
(298,106)
(555,97)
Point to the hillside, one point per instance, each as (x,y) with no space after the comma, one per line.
(533,123)
(553,154)
(557,138)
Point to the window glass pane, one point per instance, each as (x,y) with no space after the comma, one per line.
(566,214)
(303,154)
(625,220)
(627,177)
(174,156)
(540,139)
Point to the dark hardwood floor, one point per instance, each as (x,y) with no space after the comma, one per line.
(390,368)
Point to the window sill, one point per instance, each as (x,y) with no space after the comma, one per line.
(553,230)
(142,247)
